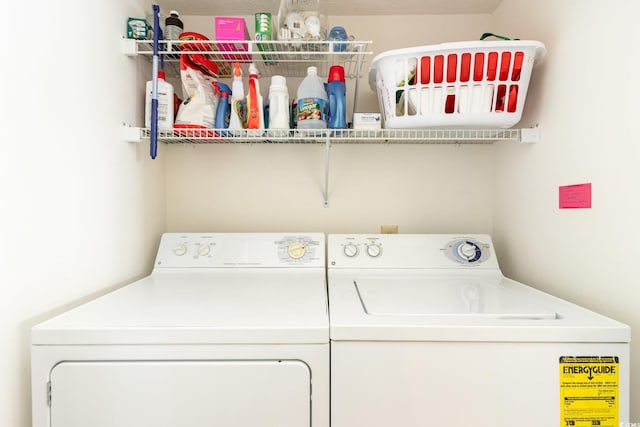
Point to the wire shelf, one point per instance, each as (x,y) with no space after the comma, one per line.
(336,136)
(271,57)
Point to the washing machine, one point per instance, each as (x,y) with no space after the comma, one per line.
(426,331)
(229,329)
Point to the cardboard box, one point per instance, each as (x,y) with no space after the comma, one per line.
(264,32)
(232,29)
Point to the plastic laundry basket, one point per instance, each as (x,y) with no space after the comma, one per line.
(463,84)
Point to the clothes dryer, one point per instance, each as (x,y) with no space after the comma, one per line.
(227,330)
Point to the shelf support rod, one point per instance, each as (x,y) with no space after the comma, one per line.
(325,194)
(357,88)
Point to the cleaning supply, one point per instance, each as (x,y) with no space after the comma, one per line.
(237,98)
(337,93)
(173,26)
(224,109)
(255,112)
(278,103)
(165,103)
(198,110)
(311,110)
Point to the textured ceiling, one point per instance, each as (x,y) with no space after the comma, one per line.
(336,7)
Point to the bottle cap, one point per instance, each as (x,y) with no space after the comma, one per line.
(161,75)
(174,12)
(336,72)
(312,70)
(253,70)
(237,71)
(278,81)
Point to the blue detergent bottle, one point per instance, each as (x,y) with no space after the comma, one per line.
(223,112)
(337,93)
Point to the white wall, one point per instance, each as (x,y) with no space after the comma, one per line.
(420,188)
(81,210)
(584,96)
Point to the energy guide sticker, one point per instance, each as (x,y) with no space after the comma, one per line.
(589,391)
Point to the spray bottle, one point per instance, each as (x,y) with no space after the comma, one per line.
(237,98)
(224,111)
(255,113)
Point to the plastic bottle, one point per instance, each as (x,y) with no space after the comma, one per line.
(224,109)
(311,111)
(278,103)
(173,26)
(237,98)
(255,103)
(337,93)
(165,103)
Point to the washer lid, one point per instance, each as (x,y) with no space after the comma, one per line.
(242,306)
(481,306)
(444,296)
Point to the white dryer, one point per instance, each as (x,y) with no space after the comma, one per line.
(227,330)
(426,331)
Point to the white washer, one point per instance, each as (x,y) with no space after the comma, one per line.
(228,330)
(426,331)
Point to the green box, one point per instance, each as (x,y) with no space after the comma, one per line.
(137,28)
(264,32)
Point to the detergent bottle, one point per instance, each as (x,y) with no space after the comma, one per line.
(237,99)
(336,91)
(255,103)
(165,103)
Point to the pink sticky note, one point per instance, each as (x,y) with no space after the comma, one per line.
(575,196)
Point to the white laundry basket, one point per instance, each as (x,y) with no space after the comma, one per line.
(463,84)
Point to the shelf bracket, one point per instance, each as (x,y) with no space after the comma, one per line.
(131,133)
(530,135)
(325,195)
(129,47)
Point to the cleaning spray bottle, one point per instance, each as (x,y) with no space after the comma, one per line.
(237,99)
(255,113)
(223,112)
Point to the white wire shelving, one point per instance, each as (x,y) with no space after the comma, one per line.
(291,59)
(342,136)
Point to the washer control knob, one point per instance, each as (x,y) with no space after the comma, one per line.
(296,250)
(204,250)
(374,250)
(350,250)
(468,251)
(181,249)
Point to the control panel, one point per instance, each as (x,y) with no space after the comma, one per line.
(189,250)
(410,251)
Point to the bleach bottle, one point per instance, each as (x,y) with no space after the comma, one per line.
(337,93)
(311,111)
(278,104)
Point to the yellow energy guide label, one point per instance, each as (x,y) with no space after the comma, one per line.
(589,391)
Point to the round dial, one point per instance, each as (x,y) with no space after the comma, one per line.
(180,250)
(469,250)
(296,250)
(350,250)
(374,250)
(204,250)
